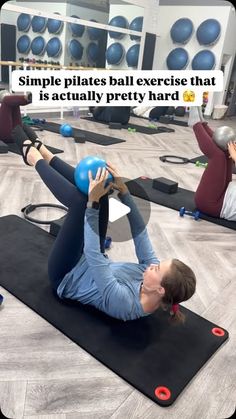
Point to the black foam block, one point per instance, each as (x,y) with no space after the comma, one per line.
(115,125)
(148,353)
(165,185)
(3,148)
(80,138)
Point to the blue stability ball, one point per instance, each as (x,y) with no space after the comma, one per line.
(76,29)
(177,59)
(181,31)
(23,44)
(23,22)
(92,51)
(75,49)
(54,25)
(119,22)
(132,55)
(38,45)
(115,53)
(66,130)
(203,60)
(54,47)
(39,24)
(136,25)
(81,172)
(208,32)
(94,33)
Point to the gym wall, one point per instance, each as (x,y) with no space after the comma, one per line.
(168,15)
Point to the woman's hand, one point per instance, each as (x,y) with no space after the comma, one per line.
(118,182)
(232,150)
(97,186)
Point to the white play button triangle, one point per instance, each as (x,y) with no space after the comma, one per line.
(117,210)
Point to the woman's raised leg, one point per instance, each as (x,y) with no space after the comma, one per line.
(210,193)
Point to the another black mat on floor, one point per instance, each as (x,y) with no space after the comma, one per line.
(173,121)
(92,137)
(148,353)
(139,128)
(182,198)
(12,147)
(165,120)
(204,159)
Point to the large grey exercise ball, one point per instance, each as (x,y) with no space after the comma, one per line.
(223,135)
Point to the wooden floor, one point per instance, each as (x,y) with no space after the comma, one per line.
(43,375)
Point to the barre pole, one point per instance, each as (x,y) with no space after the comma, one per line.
(62,67)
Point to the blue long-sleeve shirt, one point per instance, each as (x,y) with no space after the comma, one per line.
(112,287)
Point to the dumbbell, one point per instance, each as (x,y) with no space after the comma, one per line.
(195,214)
(108,242)
(38,121)
(199,164)
(131,129)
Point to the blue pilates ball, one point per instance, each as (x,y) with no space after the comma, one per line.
(81,172)
(66,130)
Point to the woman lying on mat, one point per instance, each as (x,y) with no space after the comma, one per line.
(10,113)
(120,114)
(78,268)
(150,112)
(216,193)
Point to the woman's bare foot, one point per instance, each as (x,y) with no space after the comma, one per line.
(46,154)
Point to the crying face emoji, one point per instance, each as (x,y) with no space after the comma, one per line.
(189,96)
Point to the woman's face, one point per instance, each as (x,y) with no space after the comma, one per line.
(153,275)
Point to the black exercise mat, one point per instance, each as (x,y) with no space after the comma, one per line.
(182,198)
(92,137)
(173,121)
(204,159)
(13,148)
(148,353)
(138,128)
(165,120)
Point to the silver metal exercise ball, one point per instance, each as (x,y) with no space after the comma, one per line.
(3,93)
(223,135)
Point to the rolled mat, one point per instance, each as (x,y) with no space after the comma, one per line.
(157,358)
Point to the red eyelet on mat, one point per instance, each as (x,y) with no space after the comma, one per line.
(144,177)
(217,331)
(162,393)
